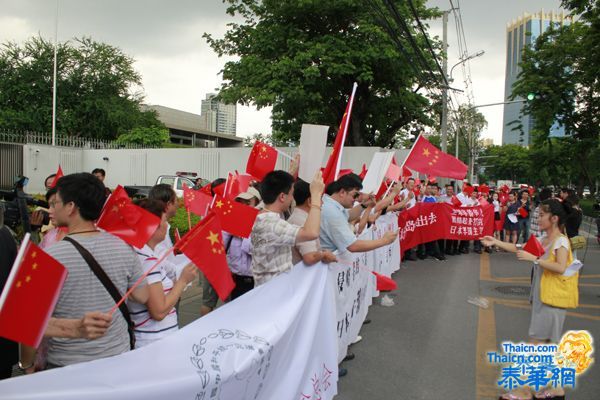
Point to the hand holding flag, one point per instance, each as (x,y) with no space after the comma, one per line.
(533,246)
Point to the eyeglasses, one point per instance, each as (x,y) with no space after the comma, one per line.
(355,195)
(53,204)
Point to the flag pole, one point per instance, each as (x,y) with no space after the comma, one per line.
(286,155)
(140,280)
(15,268)
(339,160)
(189,219)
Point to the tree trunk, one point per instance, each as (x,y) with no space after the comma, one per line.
(356,138)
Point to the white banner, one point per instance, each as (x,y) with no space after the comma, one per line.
(276,342)
(282,340)
(313,143)
(377,169)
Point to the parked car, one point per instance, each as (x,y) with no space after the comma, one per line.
(175,181)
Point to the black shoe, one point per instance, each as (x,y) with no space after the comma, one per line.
(488,250)
(478,251)
(367,321)
(449,253)
(412,257)
(422,256)
(440,257)
(342,372)
(349,357)
(464,251)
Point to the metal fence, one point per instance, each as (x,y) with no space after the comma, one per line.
(32,137)
(11,164)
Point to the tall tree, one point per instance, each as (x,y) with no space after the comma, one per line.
(98,90)
(301,58)
(561,71)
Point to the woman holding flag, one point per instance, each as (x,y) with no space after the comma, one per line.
(554,286)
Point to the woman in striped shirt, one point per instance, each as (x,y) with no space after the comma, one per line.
(158,317)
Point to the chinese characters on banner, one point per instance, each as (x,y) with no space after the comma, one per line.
(427,222)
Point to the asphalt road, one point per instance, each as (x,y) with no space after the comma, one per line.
(431,344)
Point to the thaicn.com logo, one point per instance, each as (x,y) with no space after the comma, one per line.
(544,365)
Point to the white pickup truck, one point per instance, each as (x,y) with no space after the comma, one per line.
(175,181)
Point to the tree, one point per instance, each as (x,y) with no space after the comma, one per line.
(146,136)
(261,137)
(510,161)
(302,57)
(98,91)
(561,71)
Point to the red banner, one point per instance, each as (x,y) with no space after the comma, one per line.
(426,222)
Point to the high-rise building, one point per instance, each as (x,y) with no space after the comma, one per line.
(217,116)
(522,32)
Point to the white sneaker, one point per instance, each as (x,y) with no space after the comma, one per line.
(358,339)
(387,301)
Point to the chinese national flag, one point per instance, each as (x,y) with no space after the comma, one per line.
(533,246)
(196,201)
(384,283)
(332,169)
(393,172)
(127,221)
(59,174)
(29,297)
(262,160)
(236,218)
(428,159)
(456,202)
(204,246)
(363,172)
(206,190)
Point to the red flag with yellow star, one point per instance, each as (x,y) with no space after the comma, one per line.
(236,218)
(196,201)
(29,296)
(262,160)
(428,159)
(203,244)
(127,221)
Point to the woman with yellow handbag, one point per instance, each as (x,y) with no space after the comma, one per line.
(554,289)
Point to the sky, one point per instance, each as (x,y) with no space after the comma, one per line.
(178,67)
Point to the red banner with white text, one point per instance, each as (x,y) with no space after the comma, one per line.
(426,222)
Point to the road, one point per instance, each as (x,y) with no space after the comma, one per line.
(431,344)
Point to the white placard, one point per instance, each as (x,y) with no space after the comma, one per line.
(313,141)
(377,169)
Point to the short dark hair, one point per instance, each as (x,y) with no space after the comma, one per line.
(48,177)
(99,171)
(216,183)
(162,192)
(301,191)
(86,191)
(346,182)
(50,193)
(156,207)
(545,194)
(410,179)
(449,185)
(275,183)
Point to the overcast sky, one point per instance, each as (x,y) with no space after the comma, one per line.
(178,68)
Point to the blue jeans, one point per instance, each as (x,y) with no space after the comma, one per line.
(523,229)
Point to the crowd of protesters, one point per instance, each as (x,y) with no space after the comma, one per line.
(298,221)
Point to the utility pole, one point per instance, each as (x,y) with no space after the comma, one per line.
(445,88)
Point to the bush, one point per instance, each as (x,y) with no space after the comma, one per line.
(180,221)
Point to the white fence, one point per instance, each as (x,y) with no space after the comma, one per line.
(143,166)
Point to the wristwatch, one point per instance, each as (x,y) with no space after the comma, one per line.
(536,262)
(24,367)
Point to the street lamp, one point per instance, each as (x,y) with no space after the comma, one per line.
(462,61)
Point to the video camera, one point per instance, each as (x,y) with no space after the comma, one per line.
(15,202)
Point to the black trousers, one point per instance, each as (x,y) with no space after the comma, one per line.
(243,284)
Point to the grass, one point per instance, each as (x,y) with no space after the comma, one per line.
(587,207)
(180,221)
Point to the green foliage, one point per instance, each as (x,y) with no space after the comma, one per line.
(151,136)
(301,58)
(98,91)
(510,161)
(562,70)
(180,221)
(261,137)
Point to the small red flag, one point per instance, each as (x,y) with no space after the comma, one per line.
(127,221)
(236,218)
(523,212)
(334,162)
(406,172)
(206,190)
(363,172)
(533,246)
(262,160)
(428,159)
(196,201)
(29,297)
(467,189)
(59,174)
(203,244)
(384,283)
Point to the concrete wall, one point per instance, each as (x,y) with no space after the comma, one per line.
(143,166)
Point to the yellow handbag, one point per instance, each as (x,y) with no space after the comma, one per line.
(557,290)
(578,242)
